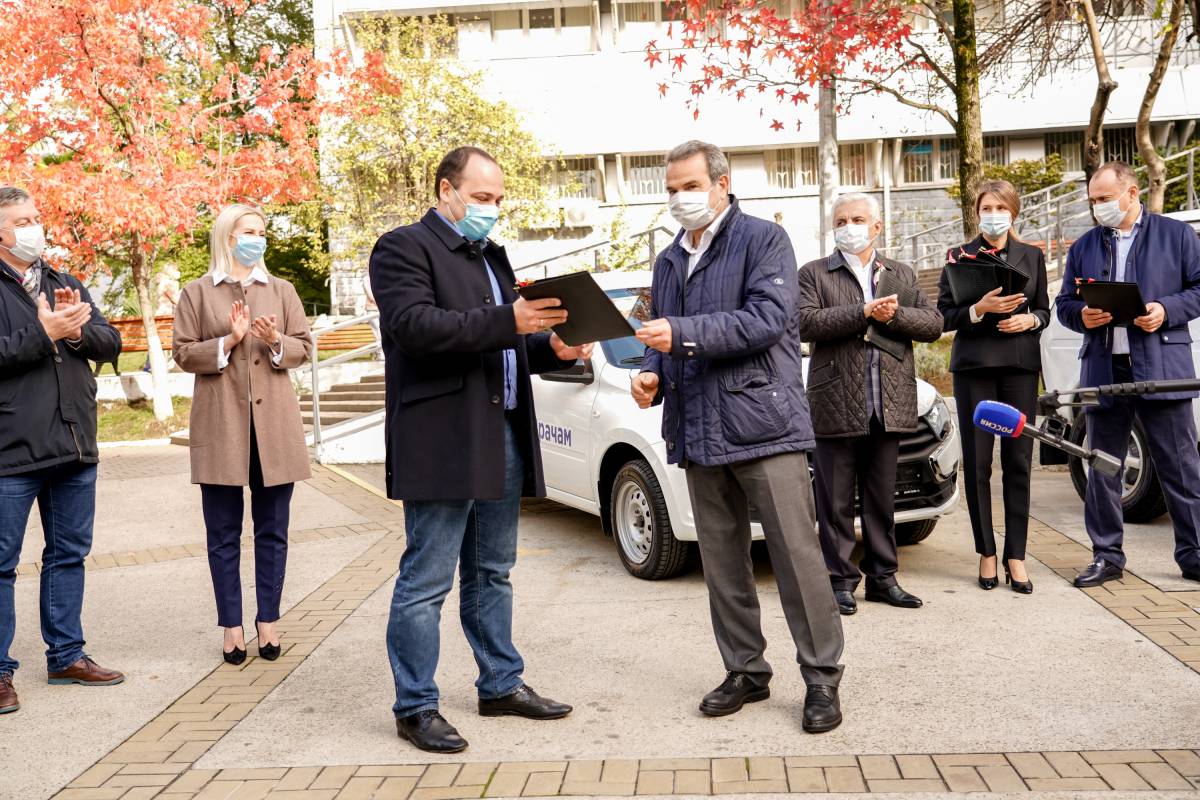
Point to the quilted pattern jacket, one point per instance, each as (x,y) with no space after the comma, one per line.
(731,386)
(831,318)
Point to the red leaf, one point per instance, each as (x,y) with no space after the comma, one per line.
(662,90)
(776,125)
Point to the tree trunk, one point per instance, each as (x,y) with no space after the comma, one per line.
(970,123)
(1093,151)
(827,154)
(1156,168)
(161,392)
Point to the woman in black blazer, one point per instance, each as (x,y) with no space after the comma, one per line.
(996,357)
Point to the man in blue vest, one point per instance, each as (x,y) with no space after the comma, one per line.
(1162,256)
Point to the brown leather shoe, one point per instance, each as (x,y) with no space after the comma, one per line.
(86,672)
(8,695)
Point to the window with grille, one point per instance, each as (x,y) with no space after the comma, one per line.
(542,18)
(948,158)
(917,160)
(1119,145)
(781,168)
(807,167)
(634,13)
(995,150)
(1067,145)
(646,175)
(576,177)
(852,160)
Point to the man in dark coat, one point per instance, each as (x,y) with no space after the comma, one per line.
(48,453)
(461,439)
(723,357)
(863,396)
(1162,256)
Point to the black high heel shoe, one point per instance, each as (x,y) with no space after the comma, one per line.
(1020,587)
(269,652)
(236,656)
(987,584)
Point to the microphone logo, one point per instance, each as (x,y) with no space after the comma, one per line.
(995,427)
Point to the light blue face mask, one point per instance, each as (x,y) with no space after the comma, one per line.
(249,249)
(479,221)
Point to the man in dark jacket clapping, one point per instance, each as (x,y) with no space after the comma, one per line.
(48,331)
(723,356)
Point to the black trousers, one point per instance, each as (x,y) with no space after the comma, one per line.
(1017,388)
(269,508)
(868,463)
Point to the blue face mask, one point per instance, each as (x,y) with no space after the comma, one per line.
(479,221)
(249,249)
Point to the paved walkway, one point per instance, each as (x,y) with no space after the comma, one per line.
(1061,694)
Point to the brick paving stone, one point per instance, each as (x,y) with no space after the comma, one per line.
(878,767)
(96,775)
(333,778)
(550,766)
(90,794)
(445,792)
(1032,765)
(767,769)
(1069,765)
(597,788)
(359,788)
(1162,777)
(806,779)
(543,784)
(672,764)
(750,787)
(1121,777)
(902,785)
(1002,779)
(298,778)
(1185,762)
(654,782)
(693,781)
(845,779)
(821,761)
(619,771)
(219,790)
(506,784)
(971,760)
(583,772)
(1067,784)
(473,774)
(917,766)
(1094,757)
(963,779)
(729,770)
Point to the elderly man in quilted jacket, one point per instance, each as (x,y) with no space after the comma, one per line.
(863,396)
(723,357)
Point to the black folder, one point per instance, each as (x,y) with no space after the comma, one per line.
(1122,299)
(591,315)
(972,275)
(878,334)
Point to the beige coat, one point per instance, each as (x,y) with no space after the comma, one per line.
(250,387)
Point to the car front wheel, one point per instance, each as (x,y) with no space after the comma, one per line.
(642,527)
(913,532)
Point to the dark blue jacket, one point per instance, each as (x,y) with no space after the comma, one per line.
(1165,262)
(731,387)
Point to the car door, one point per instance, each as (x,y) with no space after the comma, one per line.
(564,413)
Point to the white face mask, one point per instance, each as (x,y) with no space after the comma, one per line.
(31,242)
(1109,214)
(995,223)
(853,238)
(691,209)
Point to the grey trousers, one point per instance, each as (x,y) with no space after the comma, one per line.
(781,491)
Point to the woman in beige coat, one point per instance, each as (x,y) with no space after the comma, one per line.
(240,330)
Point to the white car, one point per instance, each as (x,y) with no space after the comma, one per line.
(604,455)
(1141,498)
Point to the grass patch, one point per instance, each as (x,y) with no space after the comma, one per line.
(125,422)
(933,363)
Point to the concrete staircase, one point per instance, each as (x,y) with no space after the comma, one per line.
(345,401)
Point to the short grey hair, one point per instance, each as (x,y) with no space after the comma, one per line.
(857,197)
(11,196)
(718,164)
(1121,170)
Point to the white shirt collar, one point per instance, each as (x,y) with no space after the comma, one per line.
(257,275)
(710,232)
(1137,223)
(853,261)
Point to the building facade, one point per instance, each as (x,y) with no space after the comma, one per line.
(575,71)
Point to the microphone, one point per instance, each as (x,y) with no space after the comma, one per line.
(1001,419)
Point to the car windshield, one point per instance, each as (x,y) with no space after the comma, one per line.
(635,305)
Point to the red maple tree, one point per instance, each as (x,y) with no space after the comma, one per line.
(128,130)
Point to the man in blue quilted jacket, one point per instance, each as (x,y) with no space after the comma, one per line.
(723,357)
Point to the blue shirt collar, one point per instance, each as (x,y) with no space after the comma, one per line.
(449,222)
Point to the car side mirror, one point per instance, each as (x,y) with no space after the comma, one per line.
(579,372)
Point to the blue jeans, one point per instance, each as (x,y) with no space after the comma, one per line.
(480,536)
(66,498)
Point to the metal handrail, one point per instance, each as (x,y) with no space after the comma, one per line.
(315,363)
(595,247)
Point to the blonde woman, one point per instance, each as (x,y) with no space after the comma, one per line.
(240,330)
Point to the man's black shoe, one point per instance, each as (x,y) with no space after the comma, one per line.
(1192,574)
(734,692)
(429,730)
(845,602)
(524,702)
(894,596)
(1098,573)
(822,709)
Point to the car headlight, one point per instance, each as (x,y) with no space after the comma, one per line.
(938,417)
